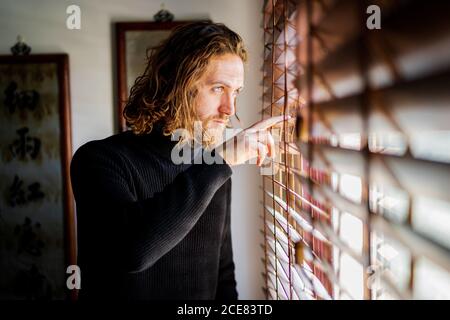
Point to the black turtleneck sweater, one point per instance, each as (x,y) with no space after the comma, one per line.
(148,228)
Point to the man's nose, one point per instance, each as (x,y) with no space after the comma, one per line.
(227,105)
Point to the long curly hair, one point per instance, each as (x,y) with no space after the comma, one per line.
(166,91)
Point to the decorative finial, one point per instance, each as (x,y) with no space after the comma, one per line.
(20,48)
(163,15)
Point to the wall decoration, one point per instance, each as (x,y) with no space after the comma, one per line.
(37,223)
(134,41)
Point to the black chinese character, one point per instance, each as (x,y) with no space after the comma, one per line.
(34,193)
(16,193)
(25,145)
(22,100)
(29,241)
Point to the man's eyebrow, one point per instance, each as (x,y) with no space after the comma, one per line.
(225,83)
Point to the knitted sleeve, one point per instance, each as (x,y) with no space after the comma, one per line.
(149,228)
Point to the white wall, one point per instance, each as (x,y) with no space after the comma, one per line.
(42,24)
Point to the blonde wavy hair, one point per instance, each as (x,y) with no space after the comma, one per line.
(165,93)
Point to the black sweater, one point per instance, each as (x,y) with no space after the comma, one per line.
(150,229)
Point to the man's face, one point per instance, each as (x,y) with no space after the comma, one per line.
(217,91)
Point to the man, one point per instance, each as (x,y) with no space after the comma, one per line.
(149,228)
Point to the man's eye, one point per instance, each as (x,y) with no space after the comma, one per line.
(218,89)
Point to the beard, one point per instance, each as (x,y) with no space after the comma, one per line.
(213,133)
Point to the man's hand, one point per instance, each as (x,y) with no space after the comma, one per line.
(253,142)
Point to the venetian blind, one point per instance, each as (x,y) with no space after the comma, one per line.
(358,206)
